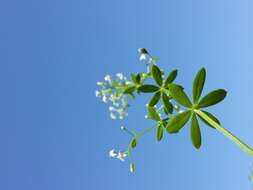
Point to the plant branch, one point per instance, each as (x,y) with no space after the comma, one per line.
(225,132)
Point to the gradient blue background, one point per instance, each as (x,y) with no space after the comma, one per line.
(54,133)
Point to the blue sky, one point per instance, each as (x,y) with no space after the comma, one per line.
(55,134)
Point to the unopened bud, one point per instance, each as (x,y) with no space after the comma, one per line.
(142,51)
(132,168)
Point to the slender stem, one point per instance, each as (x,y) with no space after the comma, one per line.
(160,108)
(144,132)
(137,137)
(128,131)
(225,132)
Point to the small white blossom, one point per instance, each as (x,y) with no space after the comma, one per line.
(128,82)
(122,128)
(112,108)
(180,111)
(100,83)
(107,78)
(144,57)
(104,99)
(113,98)
(98,94)
(112,115)
(120,76)
(121,156)
(113,153)
(146,117)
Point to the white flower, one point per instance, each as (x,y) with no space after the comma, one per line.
(120,76)
(121,156)
(112,108)
(144,57)
(128,82)
(122,128)
(180,111)
(112,115)
(104,99)
(113,98)
(108,78)
(98,94)
(146,117)
(100,83)
(113,153)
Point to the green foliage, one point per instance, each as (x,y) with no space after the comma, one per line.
(157,75)
(159,133)
(148,88)
(179,95)
(152,113)
(212,98)
(171,77)
(178,121)
(198,84)
(195,132)
(154,100)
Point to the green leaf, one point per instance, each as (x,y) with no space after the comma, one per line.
(198,84)
(166,102)
(157,75)
(153,101)
(171,77)
(179,95)
(152,114)
(212,98)
(195,132)
(133,78)
(133,143)
(159,133)
(178,121)
(138,78)
(211,116)
(129,90)
(147,88)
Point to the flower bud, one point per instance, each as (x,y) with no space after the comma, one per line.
(132,168)
(142,51)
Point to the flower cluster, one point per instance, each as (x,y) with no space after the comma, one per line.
(121,155)
(111,90)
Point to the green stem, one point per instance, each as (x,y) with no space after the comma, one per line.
(137,137)
(144,132)
(225,132)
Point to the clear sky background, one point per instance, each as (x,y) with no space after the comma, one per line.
(54,133)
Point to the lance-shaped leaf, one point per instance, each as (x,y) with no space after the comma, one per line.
(130,89)
(179,95)
(211,116)
(195,132)
(212,98)
(157,75)
(152,114)
(159,133)
(198,84)
(167,105)
(133,78)
(138,78)
(171,77)
(133,143)
(153,101)
(178,121)
(147,88)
